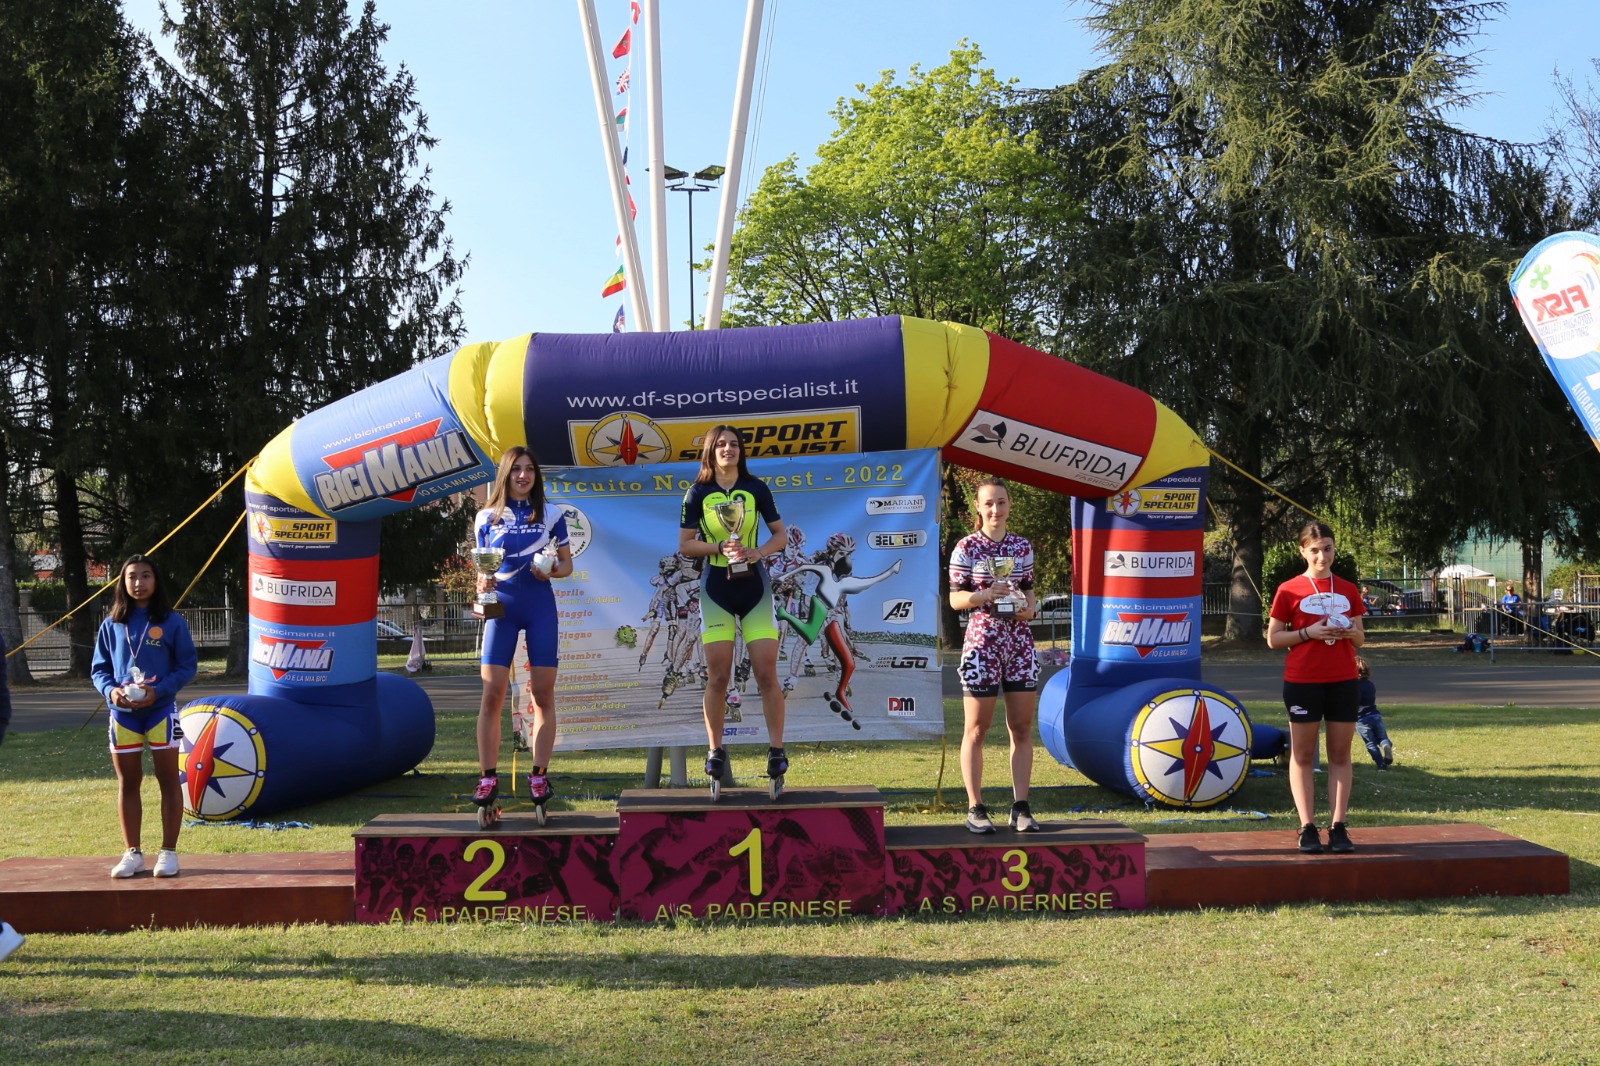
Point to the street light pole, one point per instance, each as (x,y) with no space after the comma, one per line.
(703,180)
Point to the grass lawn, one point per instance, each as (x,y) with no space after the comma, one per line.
(1479,981)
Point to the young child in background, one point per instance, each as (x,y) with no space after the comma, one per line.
(1369,723)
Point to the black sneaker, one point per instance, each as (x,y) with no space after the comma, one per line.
(1310,842)
(978,819)
(1339,839)
(1022,819)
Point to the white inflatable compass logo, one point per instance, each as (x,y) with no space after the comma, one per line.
(1191,748)
(223,761)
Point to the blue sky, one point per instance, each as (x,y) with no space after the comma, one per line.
(505,86)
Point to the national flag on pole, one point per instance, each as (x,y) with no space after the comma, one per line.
(621,120)
(633,212)
(614,284)
(622,81)
(620,321)
(624,46)
(635,5)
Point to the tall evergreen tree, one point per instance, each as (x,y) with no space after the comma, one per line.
(1279,244)
(317,258)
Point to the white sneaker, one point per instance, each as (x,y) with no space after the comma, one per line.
(10,940)
(132,862)
(166,863)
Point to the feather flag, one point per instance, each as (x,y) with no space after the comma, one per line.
(618,323)
(622,81)
(614,284)
(624,46)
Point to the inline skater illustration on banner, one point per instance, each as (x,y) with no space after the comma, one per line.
(824,612)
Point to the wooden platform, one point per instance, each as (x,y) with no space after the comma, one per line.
(78,895)
(1183,871)
(1186,870)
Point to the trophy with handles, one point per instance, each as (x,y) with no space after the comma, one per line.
(487,562)
(731,514)
(1001,568)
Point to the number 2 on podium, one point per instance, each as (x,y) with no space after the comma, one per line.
(751,846)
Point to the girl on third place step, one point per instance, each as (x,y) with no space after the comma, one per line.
(143,655)
(533,534)
(988,570)
(1317,616)
(719,524)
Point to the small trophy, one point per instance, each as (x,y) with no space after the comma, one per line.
(1001,568)
(135,692)
(487,562)
(731,514)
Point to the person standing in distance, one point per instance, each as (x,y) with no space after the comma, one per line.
(10,939)
(532,532)
(1317,617)
(143,655)
(997,653)
(722,512)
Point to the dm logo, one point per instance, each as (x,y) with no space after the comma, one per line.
(1190,747)
(223,761)
(625,439)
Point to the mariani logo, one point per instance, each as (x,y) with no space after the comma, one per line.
(899,612)
(902,706)
(911,538)
(1144,633)
(282,655)
(896,504)
(393,466)
(625,439)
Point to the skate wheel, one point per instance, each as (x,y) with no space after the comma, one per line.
(775,787)
(716,789)
(486,817)
(540,813)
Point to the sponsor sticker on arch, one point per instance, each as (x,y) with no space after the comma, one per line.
(1020,443)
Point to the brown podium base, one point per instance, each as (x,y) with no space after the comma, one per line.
(1185,870)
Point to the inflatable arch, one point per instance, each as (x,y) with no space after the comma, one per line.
(319,720)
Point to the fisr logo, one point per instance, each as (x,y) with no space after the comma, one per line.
(1558,304)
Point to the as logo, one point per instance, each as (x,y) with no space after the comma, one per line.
(902,706)
(899,612)
(393,466)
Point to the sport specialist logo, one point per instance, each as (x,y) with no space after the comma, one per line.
(392,466)
(1191,748)
(625,438)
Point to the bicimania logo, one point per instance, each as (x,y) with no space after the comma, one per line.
(1144,633)
(393,466)
(282,655)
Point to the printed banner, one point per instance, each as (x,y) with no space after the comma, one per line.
(856,594)
(1557,290)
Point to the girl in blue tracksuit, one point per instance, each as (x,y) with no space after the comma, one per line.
(533,534)
(143,655)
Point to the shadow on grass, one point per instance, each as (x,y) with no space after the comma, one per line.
(558,970)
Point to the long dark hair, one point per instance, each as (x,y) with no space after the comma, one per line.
(977,519)
(708,453)
(502,483)
(160,604)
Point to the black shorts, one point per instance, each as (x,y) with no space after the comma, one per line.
(1324,701)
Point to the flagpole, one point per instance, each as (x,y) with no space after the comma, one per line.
(634,269)
(722,252)
(658,166)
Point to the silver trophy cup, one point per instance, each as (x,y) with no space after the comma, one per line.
(731,514)
(487,562)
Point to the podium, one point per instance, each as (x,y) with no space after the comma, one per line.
(814,853)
